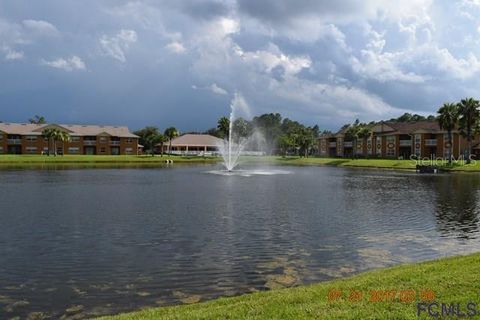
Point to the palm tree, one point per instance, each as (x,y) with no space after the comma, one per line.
(223,126)
(161,140)
(448,119)
(37,120)
(63,137)
(170,133)
(469,115)
(352,132)
(53,135)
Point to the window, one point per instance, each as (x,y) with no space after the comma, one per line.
(73,150)
(1,136)
(391,152)
(31,149)
(103,139)
(115,151)
(129,140)
(390,139)
(75,139)
(31,138)
(102,150)
(1,149)
(128,150)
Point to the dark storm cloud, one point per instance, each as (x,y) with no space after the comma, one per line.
(282,11)
(145,62)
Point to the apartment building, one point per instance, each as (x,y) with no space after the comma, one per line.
(397,140)
(26,138)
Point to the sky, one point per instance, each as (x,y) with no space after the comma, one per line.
(182,62)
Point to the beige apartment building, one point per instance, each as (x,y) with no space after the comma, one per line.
(26,138)
(397,140)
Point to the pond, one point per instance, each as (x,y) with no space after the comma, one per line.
(89,242)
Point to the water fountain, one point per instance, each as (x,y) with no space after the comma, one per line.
(232,147)
(229,149)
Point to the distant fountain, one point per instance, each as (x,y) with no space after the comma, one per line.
(232,148)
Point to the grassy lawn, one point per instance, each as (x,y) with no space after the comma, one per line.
(74,159)
(451,280)
(9,160)
(344,162)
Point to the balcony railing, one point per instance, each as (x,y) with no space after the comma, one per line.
(332,144)
(89,142)
(405,143)
(430,142)
(348,144)
(14,141)
(115,143)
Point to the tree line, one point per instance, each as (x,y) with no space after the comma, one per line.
(464,116)
(280,135)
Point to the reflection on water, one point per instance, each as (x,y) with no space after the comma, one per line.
(83,243)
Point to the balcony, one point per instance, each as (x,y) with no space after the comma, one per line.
(89,142)
(405,143)
(332,144)
(115,143)
(14,141)
(348,144)
(430,142)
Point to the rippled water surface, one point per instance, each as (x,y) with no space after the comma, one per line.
(88,242)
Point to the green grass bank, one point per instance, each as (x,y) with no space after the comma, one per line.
(92,159)
(32,160)
(451,280)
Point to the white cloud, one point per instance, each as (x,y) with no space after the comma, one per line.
(229,26)
(272,57)
(14,55)
(116,46)
(214,88)
(69,64)
(217,90)
(40,27)
(175,47)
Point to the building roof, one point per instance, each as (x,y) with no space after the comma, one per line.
(74,130)
(198,140)
(425,126)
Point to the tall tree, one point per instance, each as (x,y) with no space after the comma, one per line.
(170,133)
(63,137)
(37,120)
(285,142)
(352,132)
(152,140)
(448,120)
(270,125)
(306,140)
(469,115)
(53,135)
(149,137)
(241,129)
(223,126)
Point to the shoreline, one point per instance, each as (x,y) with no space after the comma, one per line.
(316,301)
(9,161)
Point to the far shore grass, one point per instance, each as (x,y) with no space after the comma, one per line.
(33,160)
(450,280)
